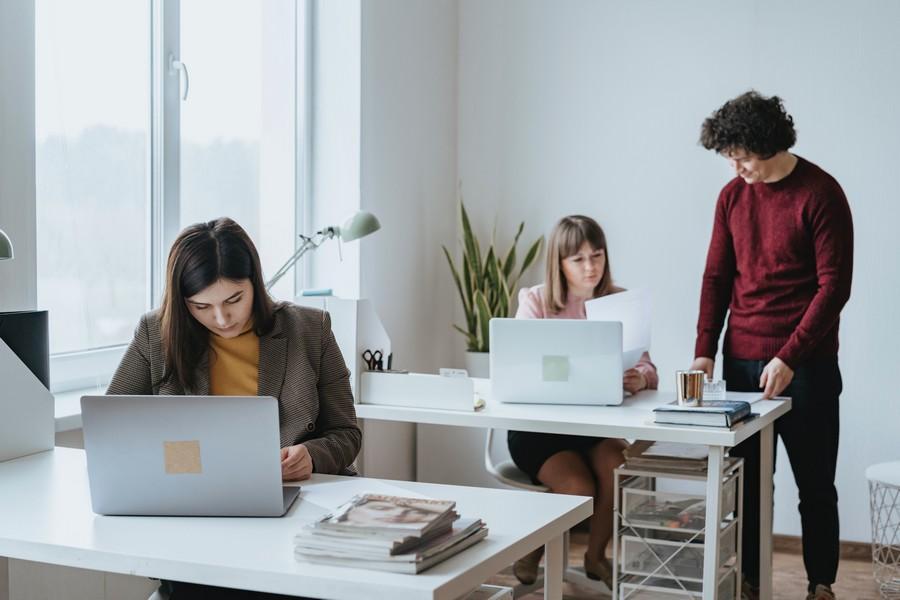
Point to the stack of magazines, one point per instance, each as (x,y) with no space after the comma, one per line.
(388,533)
(667,456)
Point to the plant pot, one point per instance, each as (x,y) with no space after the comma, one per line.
(478,364)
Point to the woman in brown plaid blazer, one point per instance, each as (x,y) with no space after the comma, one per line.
(218,332)
(214,295)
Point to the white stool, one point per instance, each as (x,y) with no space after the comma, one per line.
(884,501)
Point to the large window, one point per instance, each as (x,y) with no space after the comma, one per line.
(152,115)
(92,152)
(238,123)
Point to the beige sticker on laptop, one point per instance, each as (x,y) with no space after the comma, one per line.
(182,457)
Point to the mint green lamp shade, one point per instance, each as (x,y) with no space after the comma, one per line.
(6,247)
(358,226)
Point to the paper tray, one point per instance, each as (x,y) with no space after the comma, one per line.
(418,390)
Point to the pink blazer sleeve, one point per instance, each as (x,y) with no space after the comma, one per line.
(648,370)
(531,303)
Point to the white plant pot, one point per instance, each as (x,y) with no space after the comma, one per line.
(478,364)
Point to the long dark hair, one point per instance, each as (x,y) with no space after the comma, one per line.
(566,239)
(201,255)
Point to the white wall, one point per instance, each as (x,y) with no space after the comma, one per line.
(408,179)
(18,279)
(18,287)
(596,107)
(335,140)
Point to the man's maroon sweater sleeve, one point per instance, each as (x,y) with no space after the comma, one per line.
(718,280)
(832,230)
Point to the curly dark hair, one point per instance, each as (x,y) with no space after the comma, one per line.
(750,122)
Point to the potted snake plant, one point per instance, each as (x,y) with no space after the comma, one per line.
(486,282)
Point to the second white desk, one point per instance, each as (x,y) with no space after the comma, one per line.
(632,420)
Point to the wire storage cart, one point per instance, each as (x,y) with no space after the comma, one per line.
(658,536)
(884,502)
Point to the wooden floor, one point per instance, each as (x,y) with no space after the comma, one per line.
(854,578)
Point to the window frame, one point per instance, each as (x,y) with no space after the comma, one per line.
(92,368)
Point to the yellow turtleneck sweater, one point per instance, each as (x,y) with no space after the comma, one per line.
(234,364)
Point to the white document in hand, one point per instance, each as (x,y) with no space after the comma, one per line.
(633,309)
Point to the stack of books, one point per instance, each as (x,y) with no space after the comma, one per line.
(388,533)
(711,413)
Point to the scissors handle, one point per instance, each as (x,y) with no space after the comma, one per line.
(373,360)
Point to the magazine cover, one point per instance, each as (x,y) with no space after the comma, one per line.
(681,514)
(390,513)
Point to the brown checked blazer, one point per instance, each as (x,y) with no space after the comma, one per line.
(300,364)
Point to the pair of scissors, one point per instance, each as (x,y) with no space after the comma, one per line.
(373,360)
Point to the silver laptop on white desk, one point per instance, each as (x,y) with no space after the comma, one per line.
(184,456)
(556,361)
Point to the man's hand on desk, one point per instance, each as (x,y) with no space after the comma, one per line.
(296,463)
(776,376)
(634,381)
(702,363)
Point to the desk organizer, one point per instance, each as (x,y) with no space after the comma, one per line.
(658,536)
(417,390)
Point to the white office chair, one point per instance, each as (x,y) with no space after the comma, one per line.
(506,472)
(159,594)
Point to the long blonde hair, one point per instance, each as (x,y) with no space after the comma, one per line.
(566,239)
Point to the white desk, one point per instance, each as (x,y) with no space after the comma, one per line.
(632,420)
(45,516)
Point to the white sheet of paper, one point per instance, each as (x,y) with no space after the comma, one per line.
(334,493)
(634,310)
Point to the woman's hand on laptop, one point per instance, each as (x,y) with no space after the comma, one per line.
(633,381)
(296,463)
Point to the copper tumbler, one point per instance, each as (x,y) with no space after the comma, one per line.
(689,387)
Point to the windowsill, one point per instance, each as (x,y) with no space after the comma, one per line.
(68,408)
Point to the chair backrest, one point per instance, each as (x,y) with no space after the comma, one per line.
(505,471)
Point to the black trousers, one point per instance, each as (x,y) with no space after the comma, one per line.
(810,433)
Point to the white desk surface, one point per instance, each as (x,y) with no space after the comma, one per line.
(632,420)
(45,516)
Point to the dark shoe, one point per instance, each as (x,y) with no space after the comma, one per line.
(822,592)
(599,570)
(526,568)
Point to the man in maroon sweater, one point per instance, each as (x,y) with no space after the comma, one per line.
(780,263)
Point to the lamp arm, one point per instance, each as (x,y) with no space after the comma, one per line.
(309,243)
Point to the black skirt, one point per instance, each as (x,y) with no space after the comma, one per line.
(530,450)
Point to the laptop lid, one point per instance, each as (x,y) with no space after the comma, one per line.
(556,361)
(183,455)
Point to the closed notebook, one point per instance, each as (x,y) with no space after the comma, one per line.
(712,413)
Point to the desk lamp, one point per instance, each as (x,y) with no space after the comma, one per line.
(6,247)
(359,225)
